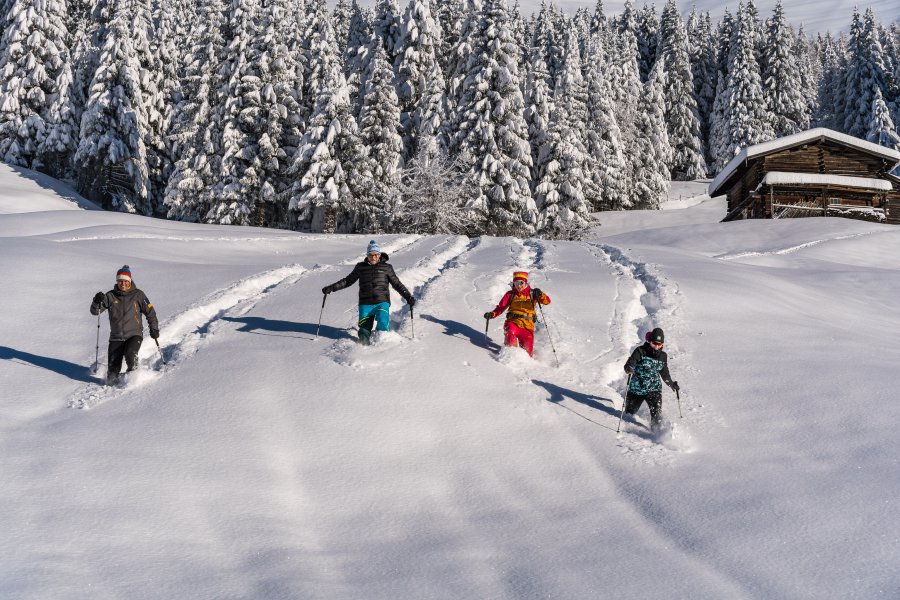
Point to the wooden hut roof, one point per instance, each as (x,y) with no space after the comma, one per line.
(798,139)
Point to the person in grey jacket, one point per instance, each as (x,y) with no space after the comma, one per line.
(125,304)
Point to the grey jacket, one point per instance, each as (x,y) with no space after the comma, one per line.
(125,310)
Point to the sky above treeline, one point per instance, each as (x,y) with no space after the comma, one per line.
(817,16)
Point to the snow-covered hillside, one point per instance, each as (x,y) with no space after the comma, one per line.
(263,462)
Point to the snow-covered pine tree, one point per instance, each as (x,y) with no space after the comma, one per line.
(37,128)
(271,117)
(881,127)
(196,132)
(561,192)
(810,73)
(865,75)
(379,129)
(701,46)
(546,37)
(625,87)
(653,151)
(648,31)
(155,44)
(341,16)
(491,137)
(356,54)
(417,63)
(827,104)
(538,108)
(783,86)
(682,121)
(111,158)
(386,28)
(317,55)
(236,192)
(450,16)
(602,135)
(745,120)
(319,198)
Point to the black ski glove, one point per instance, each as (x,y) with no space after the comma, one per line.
(98,298)
(674,386)
(326,290)
(154,333)
(411,301)
(488,315)
(536,293)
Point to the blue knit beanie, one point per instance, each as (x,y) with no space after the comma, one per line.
(373,247)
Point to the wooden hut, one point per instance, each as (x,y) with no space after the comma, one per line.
(819,172)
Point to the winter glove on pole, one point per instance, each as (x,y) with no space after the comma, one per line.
(326,290)
(544,319)
(488,316)
(324,297)
(411,301)
(536,294)
(154,333)
(487,322)
(98,298)
(624,401)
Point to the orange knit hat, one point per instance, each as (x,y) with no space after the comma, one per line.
(523,275)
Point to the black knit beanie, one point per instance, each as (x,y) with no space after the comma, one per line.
(657,335)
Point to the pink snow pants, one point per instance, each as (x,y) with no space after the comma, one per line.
(518,337)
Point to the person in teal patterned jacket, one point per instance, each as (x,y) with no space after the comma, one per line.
(648,367)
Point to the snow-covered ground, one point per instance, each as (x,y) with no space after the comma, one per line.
(263,462)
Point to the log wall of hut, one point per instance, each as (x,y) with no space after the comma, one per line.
(747,199)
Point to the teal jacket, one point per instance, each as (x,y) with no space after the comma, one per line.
(651,368)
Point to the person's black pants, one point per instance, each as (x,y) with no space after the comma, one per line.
(654,402)
(119,350)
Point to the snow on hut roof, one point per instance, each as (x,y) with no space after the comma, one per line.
(784,178)
(797,139)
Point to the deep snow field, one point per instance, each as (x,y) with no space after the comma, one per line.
(262,462)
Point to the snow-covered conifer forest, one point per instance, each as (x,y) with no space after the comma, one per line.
(438,116)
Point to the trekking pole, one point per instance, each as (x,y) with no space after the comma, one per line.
(544,319)
(97,355)
(161,355)
(412,322)
(624,402)
(678,397)
(324,297)
(487,323)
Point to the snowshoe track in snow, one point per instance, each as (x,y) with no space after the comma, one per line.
(183,334)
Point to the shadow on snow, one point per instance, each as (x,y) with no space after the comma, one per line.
(558,394)
(261,326)
(57,365)
(463,331)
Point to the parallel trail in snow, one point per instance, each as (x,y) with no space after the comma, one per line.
(183,334)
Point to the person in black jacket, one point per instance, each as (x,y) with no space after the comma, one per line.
(125,304)
(648,365)
(374,275)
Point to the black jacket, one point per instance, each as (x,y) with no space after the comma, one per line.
(125,310)
(373,282)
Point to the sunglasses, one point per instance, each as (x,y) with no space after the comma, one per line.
(520,282)
(373,255)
